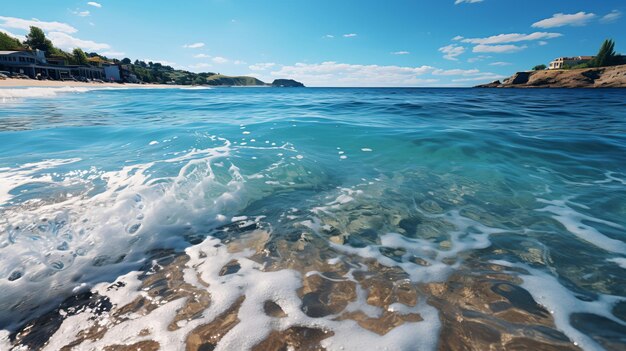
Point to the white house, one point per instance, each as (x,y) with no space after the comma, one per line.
(562,62)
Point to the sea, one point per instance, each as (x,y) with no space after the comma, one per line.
(312,219)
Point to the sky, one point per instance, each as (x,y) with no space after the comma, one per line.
(331,42)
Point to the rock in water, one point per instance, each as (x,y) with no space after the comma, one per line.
(290,83)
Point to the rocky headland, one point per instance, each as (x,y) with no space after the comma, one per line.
(600,77)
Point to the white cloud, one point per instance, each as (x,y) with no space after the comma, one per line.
(501,43)
(478,58)
(467,1)
(457,38)
(511,38)
(498,49)
(94,4)
(116,54)
(201,56)
(561,19)
(349,35)
(400,53)
(455,72)
(262,66)
(20,37)
(611,17)
(239,62)
(200,66)
(19,23)
(486,77)
(500,63)
(452,51)
(68,42)
(330,36)
(81,13)
(220,60)
(347,75)
(193,46)
(343,74)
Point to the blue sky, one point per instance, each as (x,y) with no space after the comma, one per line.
(332,43)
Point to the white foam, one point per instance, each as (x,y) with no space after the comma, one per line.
(28,173)
(258,286)
(572,220)
(197,87)
(620,261)
(562,303)
(468,235)
(8,95)
(51,244)
(5,342)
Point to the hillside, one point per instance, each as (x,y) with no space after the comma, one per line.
(156,73)
(600,77)
(220,79)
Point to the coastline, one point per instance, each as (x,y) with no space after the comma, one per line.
(32,83)
(597,77)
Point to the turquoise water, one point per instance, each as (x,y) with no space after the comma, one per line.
(533,181)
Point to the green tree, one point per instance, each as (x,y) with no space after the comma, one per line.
(79,56)
(539,67)
(9,43)
(36,39)
(606,55)
(126,61)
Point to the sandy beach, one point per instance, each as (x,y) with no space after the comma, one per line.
(12,83)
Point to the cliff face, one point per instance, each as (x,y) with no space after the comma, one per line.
(603,77)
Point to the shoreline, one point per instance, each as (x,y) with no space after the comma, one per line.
(32,83)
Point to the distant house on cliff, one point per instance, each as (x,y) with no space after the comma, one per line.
(563,62)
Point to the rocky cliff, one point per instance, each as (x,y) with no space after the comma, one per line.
(603,77)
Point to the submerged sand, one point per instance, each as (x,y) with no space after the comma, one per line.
(250,292)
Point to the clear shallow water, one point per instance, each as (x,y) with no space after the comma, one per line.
(435,183)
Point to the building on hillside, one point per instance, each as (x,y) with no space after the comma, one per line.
(35,64)
(564,62)
(112,72)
